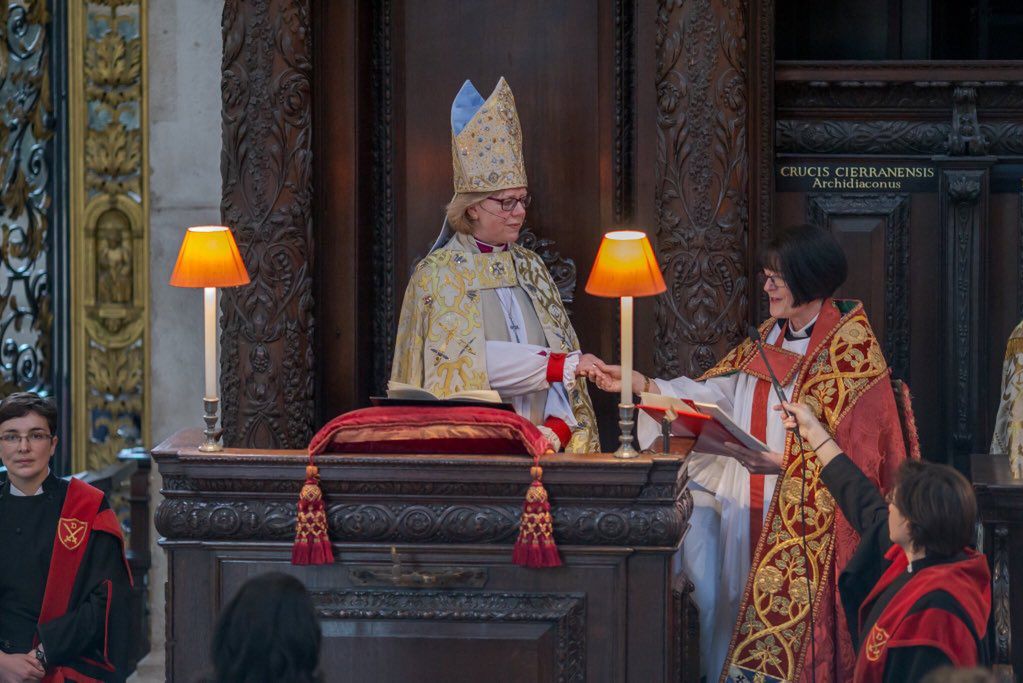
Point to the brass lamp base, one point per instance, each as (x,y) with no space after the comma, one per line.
(212,442)
(626,423)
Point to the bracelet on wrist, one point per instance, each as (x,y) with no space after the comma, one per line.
(823,442)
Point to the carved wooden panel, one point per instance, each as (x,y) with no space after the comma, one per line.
(1000,587)
(450,521)
(266,362)
(930,115)
(564,613)
(624,120)
(701,182)
(384,201)
(761,86)
(964,192)
(873,229)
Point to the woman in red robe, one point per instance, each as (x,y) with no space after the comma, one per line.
(916,596)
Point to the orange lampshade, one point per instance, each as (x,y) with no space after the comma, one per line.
(209,258)
(625,266)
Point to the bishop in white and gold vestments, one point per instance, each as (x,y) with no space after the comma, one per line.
(1008,437)
(482,312)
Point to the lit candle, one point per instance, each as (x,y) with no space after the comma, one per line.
(626,350)
(210,311)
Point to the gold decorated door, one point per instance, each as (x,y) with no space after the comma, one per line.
(74,281)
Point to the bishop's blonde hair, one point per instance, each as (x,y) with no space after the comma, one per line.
(457,207)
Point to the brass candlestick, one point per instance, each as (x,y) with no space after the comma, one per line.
(626,423)
(212,442)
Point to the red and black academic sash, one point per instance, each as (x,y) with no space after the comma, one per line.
(785,363)
(967,580)
(80,516)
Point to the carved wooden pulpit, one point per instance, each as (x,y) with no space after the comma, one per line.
(423,587)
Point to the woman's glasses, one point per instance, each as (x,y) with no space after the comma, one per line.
(34,438)
(777,281)
(508,203)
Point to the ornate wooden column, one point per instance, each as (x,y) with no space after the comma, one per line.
(266,362)
(963,197)
(709,70)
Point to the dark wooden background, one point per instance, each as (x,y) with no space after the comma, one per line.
(665,116)
(652,115)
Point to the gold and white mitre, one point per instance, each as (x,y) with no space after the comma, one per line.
(486,140)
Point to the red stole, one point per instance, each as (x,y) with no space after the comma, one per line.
(969,581)
(79,517)
(785,364)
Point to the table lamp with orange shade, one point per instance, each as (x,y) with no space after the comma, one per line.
(209,259)
(625,267)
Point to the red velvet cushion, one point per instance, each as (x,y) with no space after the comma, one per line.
(393,429)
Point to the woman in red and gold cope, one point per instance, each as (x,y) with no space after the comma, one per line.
(743,550)
(482,312)
(916,596)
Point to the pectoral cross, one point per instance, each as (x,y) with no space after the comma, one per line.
(514,327)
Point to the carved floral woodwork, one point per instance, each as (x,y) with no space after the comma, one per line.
(109,239)
(948,118)
(701,182)
(266,363)
(26,142)
(562,268)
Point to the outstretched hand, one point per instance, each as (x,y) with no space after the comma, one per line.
(587,362)
(757,462)
(606,377)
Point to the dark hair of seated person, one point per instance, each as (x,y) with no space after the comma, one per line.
(21,403)
(268,632)
(810,260)
(940,506)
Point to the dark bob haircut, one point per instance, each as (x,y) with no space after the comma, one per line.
(809,259)
(21,403)
(268,632)
(940,506)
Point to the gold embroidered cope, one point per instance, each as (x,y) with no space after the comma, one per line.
(440,343)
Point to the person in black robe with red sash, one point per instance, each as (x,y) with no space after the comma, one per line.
(915,595)
(64,578)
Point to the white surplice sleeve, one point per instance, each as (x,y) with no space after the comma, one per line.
(559,406)
(517,369)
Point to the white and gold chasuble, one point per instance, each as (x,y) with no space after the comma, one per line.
(441,342)
(1008,436)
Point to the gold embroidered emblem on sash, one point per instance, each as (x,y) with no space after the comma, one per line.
(876,642)
(71,532)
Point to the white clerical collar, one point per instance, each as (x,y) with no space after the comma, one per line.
(17,493)
(804,331)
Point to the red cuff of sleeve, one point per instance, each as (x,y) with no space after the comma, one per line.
(559,426)
(556,368)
